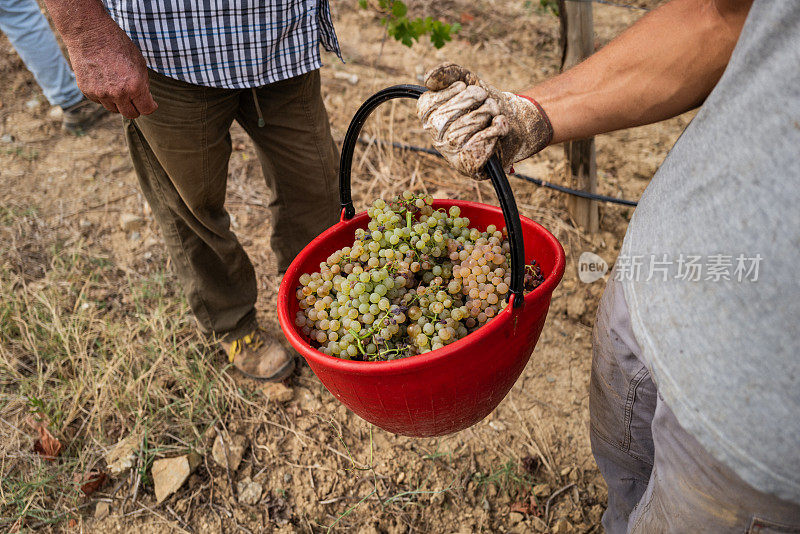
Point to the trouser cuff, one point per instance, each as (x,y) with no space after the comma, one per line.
(246,325)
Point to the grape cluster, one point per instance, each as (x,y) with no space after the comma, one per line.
(415,280)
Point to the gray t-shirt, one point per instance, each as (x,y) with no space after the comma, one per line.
(725,353)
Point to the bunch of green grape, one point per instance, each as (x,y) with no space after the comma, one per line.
(416,280)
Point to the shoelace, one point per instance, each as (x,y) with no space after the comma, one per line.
(252,340)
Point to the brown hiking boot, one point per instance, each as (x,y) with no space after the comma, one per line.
(78,117)
(259,356)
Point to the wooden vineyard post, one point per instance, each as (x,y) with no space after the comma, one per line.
(577,43)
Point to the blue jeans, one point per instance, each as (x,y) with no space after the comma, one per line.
(31,36)
(660,479)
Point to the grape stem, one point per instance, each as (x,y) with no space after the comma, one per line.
(358,342)
(371,331)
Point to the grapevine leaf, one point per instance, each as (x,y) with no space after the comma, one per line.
(440,33)
(399,9)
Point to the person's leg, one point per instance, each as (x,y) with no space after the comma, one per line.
(180,153)
(622,401)
(660,479)
(299,159)
(31,36)
(690,491)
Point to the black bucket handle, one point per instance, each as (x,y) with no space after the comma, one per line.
(493,168)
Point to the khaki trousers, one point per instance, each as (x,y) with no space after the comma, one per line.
(180,154)
(660,478)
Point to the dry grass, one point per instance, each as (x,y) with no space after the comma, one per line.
(96,337)
(101,353)
(98,353)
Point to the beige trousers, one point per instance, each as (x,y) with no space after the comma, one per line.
(660,479)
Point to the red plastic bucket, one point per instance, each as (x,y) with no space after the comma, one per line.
(448,389)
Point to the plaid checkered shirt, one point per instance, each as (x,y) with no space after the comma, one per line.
(233,44)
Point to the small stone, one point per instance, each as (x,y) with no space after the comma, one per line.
(32,104)
(550,379)
(235,449)
(350,78)
(169,474)
(101,510)
(515,517)
(497,425)
(485,505)
(194,460)
(287,477)
(55,113)
(562,527)
(6,138)
(277,392)
(121,456)
(307,400)
(130,222)
(135,236)
(85,223)
(401,477)
(249,491)
(540,490)
(538,524)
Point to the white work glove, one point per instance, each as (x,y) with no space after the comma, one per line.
(469,120)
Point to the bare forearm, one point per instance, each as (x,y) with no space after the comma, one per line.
(108,66)
(663,65)
(80,22)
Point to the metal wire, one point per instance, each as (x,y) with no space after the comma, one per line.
(531,179)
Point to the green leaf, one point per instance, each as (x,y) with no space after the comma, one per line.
(419,26)
(399,9)
(440,34)
(406,30)
(362,4)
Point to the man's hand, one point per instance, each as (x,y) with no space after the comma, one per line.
(469,120)
(111,70)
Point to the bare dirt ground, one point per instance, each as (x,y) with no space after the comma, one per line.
(97,339)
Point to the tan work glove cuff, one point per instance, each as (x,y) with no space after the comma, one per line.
(548,136)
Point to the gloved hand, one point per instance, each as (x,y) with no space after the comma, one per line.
(469,120)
